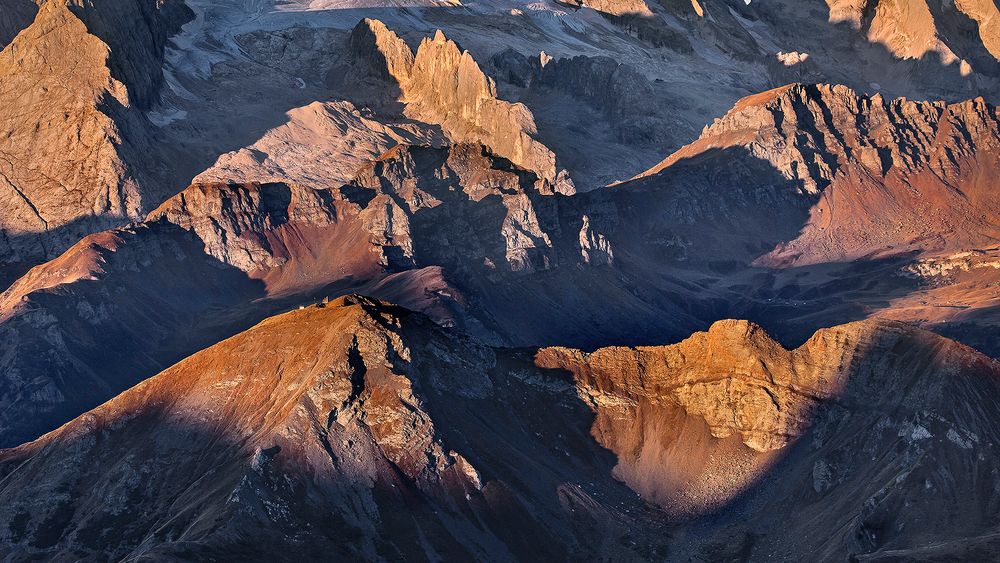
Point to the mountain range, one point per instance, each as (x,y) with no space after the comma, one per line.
(684,280)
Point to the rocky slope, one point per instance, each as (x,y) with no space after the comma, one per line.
(74,152)
(965,30)
(741,222)
(360,429)
(321,146)
(425,161)
(880,176)
(861,418)
(122,304)
(338,430)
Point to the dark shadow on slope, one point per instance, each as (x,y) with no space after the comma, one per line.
(155,298)
(793,303)
(886,461)
(866,63)
(889,463)
(962,35)
(979,329)
(249,95)
(136,32)
(839,53)
(33,249)
(15,15)
(546,492)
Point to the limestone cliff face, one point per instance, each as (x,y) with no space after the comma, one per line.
(386,53)
(73,146)
(444,85)
(234,220)
(672,413)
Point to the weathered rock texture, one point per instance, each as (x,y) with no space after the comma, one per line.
(968,30)
(321,146)
(480,243)
(879,176)
(334,431)
(110,307)
(615,7)
(442,84)
(356,429)
(74,153)
(731,414)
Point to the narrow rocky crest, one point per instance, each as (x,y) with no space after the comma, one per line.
(444,85)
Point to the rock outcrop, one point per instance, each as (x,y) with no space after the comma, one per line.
(387,55)
(443,85)
(338,430)
(359,429)
(878,175)
(480,243)
(697,424)
(321,146)
(206,255)
(74,151)
(966,30)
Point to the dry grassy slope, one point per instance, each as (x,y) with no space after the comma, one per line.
(361,430)
(74,155)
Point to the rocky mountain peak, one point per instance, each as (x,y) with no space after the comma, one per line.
(809,132)
(74,129)
(965,31)
(753,397)
(445,86)
(389,56)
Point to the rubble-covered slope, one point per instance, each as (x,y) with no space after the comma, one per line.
(878,176)
(477,242)
(358,429)
(340,430)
